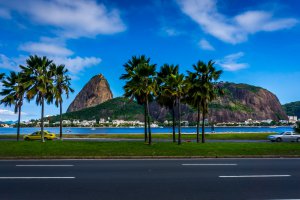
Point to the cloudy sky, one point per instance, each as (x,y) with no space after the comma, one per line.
(254,41)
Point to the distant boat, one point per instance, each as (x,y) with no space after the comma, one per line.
(93,129)
(68,131)
(131,127)
(273,126)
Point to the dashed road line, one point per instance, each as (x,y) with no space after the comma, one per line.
(255,176)
(44,165)
(208,164)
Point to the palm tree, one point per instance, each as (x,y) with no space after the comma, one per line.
(129,68)
(61,85)
(163,98)
(202,89)
(193,96)
(13,92)
(140,85)
(40,79)
(176,89)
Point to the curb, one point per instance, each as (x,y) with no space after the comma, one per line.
(144,157)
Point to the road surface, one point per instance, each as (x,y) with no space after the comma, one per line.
(151,179)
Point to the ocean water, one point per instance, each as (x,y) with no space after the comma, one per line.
(141,130)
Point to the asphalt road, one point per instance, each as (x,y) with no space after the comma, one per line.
(151,179)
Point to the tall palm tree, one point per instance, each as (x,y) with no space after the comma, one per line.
(176,89)
(13,92)
(129,68)
(140,85)
(194,96)
(202,89)
(61,85)
(163,98)
(40,81)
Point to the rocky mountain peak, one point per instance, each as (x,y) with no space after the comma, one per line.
(95,92)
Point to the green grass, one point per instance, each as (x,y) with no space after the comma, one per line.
(227,136)
(70,149)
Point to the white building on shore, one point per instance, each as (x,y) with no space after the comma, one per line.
(293,119)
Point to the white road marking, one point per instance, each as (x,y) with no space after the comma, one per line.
(37,177)
(44,165)
(210,164)
(254,176)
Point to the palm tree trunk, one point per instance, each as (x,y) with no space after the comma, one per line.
(42,121)
(179,121)
(173,124)
(198,123)
(145,116)
(149,127)
(203,125)
(19,123)
(60,123)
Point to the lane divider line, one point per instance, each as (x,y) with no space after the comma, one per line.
(254,176)
(44,165)
(209,164)
(72,177)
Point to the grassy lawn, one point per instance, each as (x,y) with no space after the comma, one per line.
(227,136)
(71,149)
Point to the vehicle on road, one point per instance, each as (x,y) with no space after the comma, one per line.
(287,136)
(37,136)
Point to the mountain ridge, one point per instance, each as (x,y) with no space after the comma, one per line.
(239,103)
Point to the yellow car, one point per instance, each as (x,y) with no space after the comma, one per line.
(37,136)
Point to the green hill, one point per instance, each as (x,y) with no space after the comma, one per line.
(117,108)
(292,109)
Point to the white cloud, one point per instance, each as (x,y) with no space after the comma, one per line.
(255,21)
(77,64)
(7,63)
(45,49)
(72,19)
(205,45)
(54,49)
(230,62)
(4,13)
(9,112)
(232,30)
(74,64)
(8,115)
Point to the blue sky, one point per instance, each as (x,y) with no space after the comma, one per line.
(254,41)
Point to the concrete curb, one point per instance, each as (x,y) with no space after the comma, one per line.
(142,157)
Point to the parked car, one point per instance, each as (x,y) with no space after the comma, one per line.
(287,136)
(37,136)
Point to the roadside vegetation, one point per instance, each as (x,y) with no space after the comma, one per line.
(66,149)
